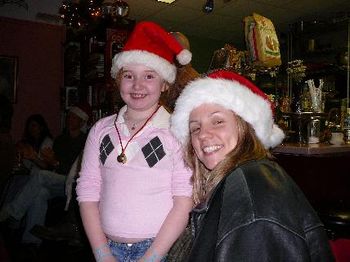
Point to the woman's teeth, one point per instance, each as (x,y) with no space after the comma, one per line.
(209,149)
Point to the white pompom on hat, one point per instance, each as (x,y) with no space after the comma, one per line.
(150,45)
(233,92)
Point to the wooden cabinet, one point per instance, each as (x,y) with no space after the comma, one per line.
(322,45)
(88,61)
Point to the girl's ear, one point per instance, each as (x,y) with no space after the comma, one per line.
(165,87)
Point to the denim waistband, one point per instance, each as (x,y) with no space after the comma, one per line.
(136,244)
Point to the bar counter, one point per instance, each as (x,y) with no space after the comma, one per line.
(322,171)
(317,150)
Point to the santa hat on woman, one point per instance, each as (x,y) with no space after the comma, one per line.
(150,45)
(233,92)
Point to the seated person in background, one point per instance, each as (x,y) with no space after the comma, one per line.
(248,208)
(44,184)
(7,147)
(70,228)
(36,137)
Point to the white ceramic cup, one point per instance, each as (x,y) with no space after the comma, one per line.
(337,138)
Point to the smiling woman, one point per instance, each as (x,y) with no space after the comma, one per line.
(226,125)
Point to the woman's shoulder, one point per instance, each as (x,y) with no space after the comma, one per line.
(260,176)
(266,188)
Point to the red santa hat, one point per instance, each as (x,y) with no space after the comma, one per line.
(149,44)
(233,92)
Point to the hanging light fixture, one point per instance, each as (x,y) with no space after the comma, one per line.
(209,6)
(166,1)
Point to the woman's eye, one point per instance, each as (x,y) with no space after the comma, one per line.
(194,130)
(218,122)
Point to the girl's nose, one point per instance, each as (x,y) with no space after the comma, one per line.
(138,83)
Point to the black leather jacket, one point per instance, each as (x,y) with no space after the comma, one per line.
(257,213)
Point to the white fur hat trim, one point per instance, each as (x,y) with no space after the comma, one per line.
(165,69)
(232,95)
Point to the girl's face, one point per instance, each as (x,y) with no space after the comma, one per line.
(140,87)
(214,133)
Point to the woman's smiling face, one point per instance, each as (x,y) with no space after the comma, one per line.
(214,133)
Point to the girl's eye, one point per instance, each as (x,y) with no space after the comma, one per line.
(149,76)
(127,76)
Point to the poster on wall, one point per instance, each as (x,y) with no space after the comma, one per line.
(8,77)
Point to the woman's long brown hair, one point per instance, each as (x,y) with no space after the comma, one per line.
(248,147)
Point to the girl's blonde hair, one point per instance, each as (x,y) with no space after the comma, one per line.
(248,147)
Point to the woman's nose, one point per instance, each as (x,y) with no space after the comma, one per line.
(205,132)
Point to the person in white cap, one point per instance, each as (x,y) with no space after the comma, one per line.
(134,189)
(247,207)
(44,185)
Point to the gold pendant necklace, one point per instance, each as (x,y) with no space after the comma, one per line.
(122,157)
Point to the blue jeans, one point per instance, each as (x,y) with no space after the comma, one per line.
(131,252)
(32,200)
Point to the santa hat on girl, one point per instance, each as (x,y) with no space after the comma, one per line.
(150,45)
(233,92)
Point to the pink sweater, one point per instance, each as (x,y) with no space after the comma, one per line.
(135,197)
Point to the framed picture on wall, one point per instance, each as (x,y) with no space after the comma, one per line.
(8,77)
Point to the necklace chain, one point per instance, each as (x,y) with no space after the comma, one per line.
(122,157)
(135,124)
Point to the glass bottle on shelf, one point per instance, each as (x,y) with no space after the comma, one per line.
(305,100)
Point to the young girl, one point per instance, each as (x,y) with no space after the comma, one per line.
(134,190)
